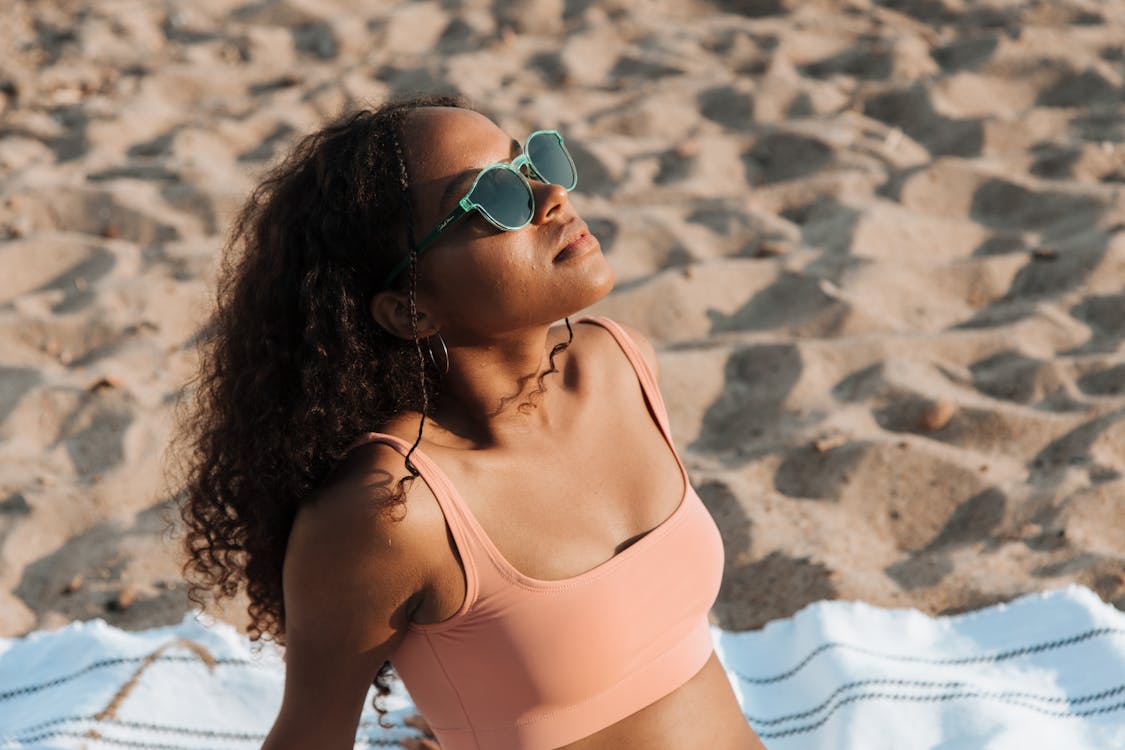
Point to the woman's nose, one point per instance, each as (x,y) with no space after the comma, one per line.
(548,199)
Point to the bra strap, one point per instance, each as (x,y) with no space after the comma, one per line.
(448,499)
(433,476)
(640,365)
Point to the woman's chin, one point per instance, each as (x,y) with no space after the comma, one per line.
(596,283)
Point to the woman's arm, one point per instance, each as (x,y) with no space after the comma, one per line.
(352,578)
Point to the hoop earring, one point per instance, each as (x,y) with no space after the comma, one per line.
(445,370)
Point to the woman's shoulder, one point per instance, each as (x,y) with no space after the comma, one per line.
(361,499)
(356,556)
(606,344)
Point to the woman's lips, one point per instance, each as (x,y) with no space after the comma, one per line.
(580,245)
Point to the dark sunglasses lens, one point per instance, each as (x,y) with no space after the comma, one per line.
(504,197)
(551,160)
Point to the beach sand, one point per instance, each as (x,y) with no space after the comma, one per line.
(881,253)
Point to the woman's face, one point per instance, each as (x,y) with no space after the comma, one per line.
(477,280)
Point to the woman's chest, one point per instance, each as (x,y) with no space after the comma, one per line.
(559,510)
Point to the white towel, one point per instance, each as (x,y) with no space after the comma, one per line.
(1042,672)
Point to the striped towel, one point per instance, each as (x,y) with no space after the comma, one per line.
(1044,671)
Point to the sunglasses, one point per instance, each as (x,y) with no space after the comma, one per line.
(501,192)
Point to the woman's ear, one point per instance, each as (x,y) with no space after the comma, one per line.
(391,311)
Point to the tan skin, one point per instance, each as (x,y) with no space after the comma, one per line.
(355,577)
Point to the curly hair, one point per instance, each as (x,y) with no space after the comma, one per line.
(292,366)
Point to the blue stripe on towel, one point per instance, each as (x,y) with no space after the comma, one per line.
(1013,653)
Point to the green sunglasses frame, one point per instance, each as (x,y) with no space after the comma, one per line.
(467,204)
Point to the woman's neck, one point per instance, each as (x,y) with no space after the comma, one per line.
(496,394)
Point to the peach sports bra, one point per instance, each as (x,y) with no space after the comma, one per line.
(528,664)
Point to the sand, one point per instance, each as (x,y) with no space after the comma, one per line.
(880,252)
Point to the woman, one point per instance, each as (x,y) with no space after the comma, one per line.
(547,582)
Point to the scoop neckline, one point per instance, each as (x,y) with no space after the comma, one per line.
(509,571)
(516,576)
